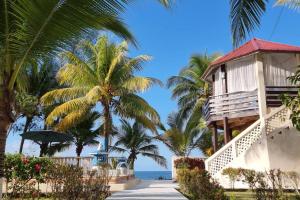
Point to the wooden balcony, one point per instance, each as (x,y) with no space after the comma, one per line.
(231,105)
(273,94)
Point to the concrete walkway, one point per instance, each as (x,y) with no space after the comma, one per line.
(148,190)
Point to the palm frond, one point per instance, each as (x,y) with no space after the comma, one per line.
(68,107)
(157,158)
(63,95)
(293,4)
(140,84)
(59,24)
(245,17)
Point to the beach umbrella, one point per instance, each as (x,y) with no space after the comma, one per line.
(47,136)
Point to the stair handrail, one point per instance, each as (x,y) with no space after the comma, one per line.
(232,143)
(261,123)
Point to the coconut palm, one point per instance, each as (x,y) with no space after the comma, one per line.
(41,77)
(134,140)
(245,16)
(31,30)
(84,132)
(189,88)
(179,138)
(102,74)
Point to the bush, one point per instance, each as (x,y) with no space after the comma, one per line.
(190,163)
(68,183)
(266,185)
(198,184)
(233,175)
(23,173)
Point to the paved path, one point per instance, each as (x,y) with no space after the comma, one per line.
(149,190)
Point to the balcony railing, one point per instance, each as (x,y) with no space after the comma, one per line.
(273,94)
(231,105)
(87,165)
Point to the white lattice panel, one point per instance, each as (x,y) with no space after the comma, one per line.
(221,160)
(276,120)
(247,140)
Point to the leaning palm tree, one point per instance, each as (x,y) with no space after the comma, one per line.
(189,88)
(179,137)
(134,140)
(31,30)
(102,74)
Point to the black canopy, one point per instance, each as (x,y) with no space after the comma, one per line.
(45,136)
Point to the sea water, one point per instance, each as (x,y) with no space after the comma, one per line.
(153,175)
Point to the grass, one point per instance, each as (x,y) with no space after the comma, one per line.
(248,195)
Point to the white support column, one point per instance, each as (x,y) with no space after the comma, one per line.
(261,87)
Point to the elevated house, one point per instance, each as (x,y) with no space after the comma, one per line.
(246,88)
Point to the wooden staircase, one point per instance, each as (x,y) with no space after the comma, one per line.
(237,147)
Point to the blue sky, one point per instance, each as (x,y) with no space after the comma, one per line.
(172,36)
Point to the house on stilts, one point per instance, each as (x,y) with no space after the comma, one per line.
(246,88)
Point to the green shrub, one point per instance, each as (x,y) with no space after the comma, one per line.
(233,174)
(198,184)
(68,183)
(23,173)
(189,163)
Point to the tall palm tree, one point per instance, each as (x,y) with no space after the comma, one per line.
(181,139)
(134,140)
(245,16)
(101,75)
(30,30)
(189,88)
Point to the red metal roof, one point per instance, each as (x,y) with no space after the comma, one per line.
(256,45)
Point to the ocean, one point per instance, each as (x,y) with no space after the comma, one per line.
(153,175)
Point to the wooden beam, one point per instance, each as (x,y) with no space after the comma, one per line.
(215,136)
(226,130)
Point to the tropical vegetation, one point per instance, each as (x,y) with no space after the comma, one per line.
(179,138)
(84,132)
(245,16)
(102,74)
(187,127)
(31,31)
(134,140)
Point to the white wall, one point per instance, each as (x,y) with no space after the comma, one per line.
(275,151)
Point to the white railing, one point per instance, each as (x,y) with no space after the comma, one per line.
(87,165)
(234,148)
(245,140)
(276,119)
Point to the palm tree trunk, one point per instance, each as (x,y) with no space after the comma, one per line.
(78,153)
(27,123)
(107,128)
(5,121)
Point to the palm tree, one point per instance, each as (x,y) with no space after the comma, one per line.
(245,16)
(101,75)
(31,30)
(189,88)
(84,133)
(134,140)
(42,79)
(181,139)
